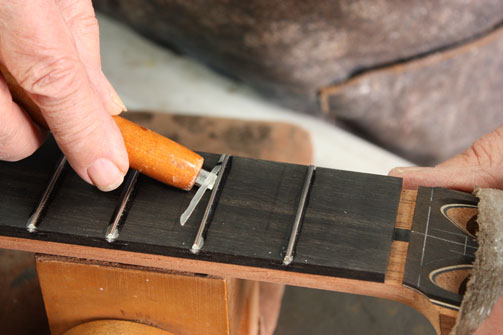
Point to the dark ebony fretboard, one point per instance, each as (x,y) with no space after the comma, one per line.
(346,231)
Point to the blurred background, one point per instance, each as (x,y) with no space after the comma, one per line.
(420,78)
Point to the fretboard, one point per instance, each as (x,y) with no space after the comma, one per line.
(346,228)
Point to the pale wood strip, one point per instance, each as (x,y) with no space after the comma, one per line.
(406,209)
(398,252)
(396,263)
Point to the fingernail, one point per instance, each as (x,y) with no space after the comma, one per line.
(399,171)
(404,169)
(396,171)
(105,175)
(118,103)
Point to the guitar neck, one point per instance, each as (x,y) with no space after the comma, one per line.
(353,233)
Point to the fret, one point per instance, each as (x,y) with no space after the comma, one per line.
(78,212)
(119,217)
(298,217)
(154,215)
(34,219)
(255,211)
(348,225)
(224,162)
(23,183)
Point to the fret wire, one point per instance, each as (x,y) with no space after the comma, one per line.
(299,215)
(34,220)
(199,240)
(114,226)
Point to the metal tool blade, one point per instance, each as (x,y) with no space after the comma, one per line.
(208,183)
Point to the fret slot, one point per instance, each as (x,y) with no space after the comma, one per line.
(118,217)
(299,215)
(210,207)
(34,220)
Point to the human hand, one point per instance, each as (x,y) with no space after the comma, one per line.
(51,48)
(480,165)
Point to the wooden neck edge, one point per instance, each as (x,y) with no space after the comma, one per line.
(391,289)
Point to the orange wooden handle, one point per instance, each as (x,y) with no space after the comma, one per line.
(158,156)
(150,153)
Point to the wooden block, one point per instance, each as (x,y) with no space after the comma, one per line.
(77,291)
(20,295)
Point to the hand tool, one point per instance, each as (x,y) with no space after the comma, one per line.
(149,152)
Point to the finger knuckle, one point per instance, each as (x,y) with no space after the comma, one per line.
(486,152)
(77,135)
(80,15)
(88,23)
(53,77)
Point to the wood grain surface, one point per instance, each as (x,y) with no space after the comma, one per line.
(77,291)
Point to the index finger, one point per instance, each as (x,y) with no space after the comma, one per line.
(40,52)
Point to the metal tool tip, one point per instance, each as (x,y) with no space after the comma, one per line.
(207,183)
(183,219)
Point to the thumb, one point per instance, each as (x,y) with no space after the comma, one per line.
(52,74)
(463,178)
(480,165)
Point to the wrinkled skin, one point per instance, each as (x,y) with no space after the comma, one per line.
(480,165)
(51,48)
